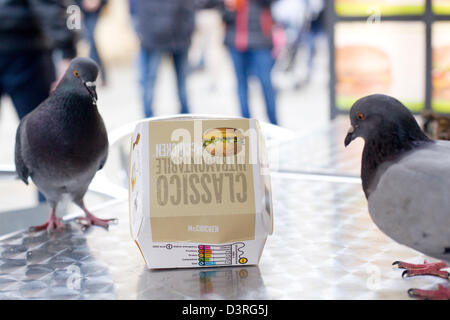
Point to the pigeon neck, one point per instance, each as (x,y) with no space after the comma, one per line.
(383,147)
(74,95)
(73,106)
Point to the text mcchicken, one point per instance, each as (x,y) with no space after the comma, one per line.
(199,192)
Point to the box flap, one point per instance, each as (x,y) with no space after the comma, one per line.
(266,182)
(134,174)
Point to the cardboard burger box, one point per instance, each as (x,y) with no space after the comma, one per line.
(199,192)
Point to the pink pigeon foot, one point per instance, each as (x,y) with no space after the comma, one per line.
(431,269)
(53,223)
(90,219)
(441,293)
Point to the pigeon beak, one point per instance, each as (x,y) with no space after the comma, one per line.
(350,137)
(91,86)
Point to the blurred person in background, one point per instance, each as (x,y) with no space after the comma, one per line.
(291,20)
(248,37)
(133,13)
(30,30)
(164,27)
(91,10)
(315,27)
(301,21)
(207,54)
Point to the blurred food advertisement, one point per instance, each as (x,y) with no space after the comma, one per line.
(386,58)
(441,6)
(382,7)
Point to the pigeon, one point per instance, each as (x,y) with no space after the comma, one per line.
(63,142)
(406,180)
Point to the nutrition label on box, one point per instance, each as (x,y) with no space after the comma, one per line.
(208,255)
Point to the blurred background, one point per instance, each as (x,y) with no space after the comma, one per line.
(299,72)
(299,64)
(294,63)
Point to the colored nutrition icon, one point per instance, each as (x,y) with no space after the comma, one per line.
(220,255)
(243,260)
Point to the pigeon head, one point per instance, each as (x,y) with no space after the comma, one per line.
(389,131)
(85,72)
(381,117)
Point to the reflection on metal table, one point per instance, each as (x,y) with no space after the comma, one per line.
(324,245)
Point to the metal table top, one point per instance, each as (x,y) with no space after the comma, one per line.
(324,246)
(321,152)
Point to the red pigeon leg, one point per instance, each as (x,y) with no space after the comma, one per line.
(430,269)
(90,219)
(53,223)
(441,293)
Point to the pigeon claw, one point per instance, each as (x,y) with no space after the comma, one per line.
(91,220)
(51,225)
(441,293)
(430,269)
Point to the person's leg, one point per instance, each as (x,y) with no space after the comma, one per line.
(149,61)
(142,68)
(2,67)
(1,89)
(311,42)
(262,61)
(241,69)
(90,22)
(180,61)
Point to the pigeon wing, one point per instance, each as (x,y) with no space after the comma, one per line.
(105,157)
(411,202)
(21,169)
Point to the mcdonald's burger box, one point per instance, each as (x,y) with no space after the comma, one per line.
(199,192)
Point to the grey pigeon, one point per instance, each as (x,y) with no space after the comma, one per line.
(406,180)
(63,142)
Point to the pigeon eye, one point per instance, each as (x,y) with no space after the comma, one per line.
(76,73)
(360,116)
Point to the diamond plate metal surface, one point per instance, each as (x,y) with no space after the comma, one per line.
(321,151)
(324,247)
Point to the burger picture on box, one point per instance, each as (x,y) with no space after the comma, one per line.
(200,192)
(377,58)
